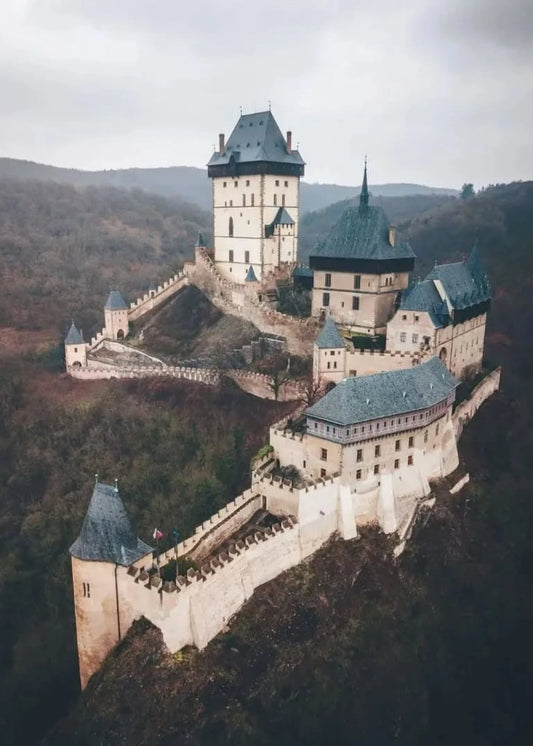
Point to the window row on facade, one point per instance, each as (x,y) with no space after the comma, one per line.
(247,183)
(231,256)
(355,301)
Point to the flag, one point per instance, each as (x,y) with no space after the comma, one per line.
(157,534)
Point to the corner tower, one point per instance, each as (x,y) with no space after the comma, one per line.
(75,349)
(116,316)
(256,193)
(106,546)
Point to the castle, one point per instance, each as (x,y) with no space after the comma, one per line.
(365,452)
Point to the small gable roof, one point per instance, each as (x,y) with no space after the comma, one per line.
(256,139)
(107,534)
(465,283)
(115,301)
(424,296)
(329,336)
(73,336)
(387,394)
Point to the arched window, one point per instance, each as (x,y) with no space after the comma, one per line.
(230,228)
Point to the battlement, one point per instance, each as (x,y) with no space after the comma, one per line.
(108,371)
(154,298)
(215,565)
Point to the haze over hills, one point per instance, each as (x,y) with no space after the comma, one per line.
(191,184)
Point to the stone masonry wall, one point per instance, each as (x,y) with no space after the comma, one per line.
(468,408)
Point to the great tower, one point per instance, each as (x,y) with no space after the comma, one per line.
(256,191)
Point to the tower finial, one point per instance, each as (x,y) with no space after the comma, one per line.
(96,478)
(363,199)
(269,105)
(116,485)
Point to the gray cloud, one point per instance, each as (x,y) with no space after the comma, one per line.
(433,92)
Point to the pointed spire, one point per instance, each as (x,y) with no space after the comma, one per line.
(363,199)
(200,243)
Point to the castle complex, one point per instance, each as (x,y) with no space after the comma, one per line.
(392,353)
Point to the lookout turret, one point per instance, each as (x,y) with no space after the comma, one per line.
(75,348)
(116,316)
(107,544)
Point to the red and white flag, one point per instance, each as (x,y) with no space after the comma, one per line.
(157,534)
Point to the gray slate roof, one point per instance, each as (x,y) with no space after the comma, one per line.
(256,138)
(424,296)
(73,336)
(364,398)
(250,275)
(107,534)
(362,232)
(465,283)
(115,301)
(282,218)
(329,336)
(200,241)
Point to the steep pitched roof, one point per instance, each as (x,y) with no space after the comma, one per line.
(73,336)
(424,296)
(392,393)
(107,534)
(329,336)
(256,138)
(115,301)
(200,241)
(465,283)
(362,232)
(250,275)
(282,218)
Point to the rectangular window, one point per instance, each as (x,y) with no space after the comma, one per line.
(415,338)
(286,183)
(353,373)
(247,182)
(325,299)
(376,468)
(359,455)
(329,365)
(417,318)
(277,182)
(324,454)
(283,200)
(235,184)
(358,474)
(357,282)
(244,200)
(396,463)
(247,257)
(377,451)
(404,317)
(231,255)
(411,441)
(252,198)
(397,445)
(322,473)
(403,337)
(409,460)
(225,184)
(437,429)
(426,437)
(327,280)
(86,590)
(275,199)
(304,463)
(355,303)
(335,364)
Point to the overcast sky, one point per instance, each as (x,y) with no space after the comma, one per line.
(434,91)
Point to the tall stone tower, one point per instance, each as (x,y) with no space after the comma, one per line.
(106,546)
(360,268)
(116,316)
(256,191)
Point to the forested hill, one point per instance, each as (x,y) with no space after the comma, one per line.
(191,184)
(62,248)
(434,648)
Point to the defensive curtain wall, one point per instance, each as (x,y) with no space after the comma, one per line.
(468,408)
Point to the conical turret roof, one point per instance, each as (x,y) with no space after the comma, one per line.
(73,336)
(115,301)
(329,336)
(107,534)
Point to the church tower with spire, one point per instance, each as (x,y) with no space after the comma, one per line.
(360,268)
(256,191)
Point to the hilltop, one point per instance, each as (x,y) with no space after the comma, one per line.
(191,184)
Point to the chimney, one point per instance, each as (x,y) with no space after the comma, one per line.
(289,142)
(221,143)
(392,235)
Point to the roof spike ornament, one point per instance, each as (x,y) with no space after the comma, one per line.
(116,485)
(96,478)
(363,198)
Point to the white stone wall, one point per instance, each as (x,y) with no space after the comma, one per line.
(376,295)
(116,323)
(76,355)
(410,331)
(233,198)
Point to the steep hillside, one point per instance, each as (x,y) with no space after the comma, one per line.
(62,248)
(180,450)
(190,184)
(432,649)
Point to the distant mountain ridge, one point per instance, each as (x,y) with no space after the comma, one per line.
(192,185)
